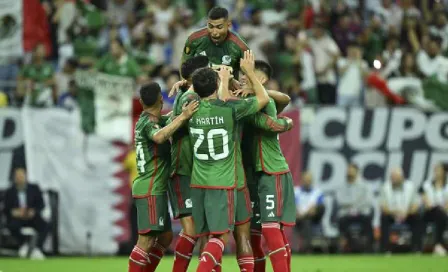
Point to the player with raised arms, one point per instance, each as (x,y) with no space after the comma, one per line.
(217,42)
(149,189)
(181,167)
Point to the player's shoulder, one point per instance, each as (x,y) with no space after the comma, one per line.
(148,119)
(198,34)
(236,39)
(190,95)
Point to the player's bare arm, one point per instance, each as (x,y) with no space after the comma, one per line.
(281,99)
(225,76)
(248,67)
(165,133)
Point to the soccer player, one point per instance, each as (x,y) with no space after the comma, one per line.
(271,187)
(221,45)
(149,188)
(181,167)
(214,132)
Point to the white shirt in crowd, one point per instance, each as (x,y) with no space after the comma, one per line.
(256,36)
(391,16)
(324,49)
(22,198)
(308,74)
(435,196)
(401,198)
(271,17)
(432,66)
(306,199)
(351,81)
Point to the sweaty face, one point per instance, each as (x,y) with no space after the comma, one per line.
(218,29)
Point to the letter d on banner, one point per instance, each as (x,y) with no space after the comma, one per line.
(11,133)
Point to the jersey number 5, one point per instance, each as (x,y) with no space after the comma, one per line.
(211,148)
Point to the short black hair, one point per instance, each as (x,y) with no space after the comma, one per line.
(149,93)
(217,13)
(436,38)
(191,65)
(264,67)
(205,82)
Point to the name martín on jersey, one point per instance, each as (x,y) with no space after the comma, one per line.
(207,121)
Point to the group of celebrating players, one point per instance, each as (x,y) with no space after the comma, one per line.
(216,157)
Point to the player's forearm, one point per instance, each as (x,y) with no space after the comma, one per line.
(260,91)
(224,92)
(165,133)
(272,124)
(281,100)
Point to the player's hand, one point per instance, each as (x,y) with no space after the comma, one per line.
(289,122)
(243,92)
(247,63)
(175,89)
(188,109)
(225,73)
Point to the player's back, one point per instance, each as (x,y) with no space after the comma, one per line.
(153,159)
(213,131)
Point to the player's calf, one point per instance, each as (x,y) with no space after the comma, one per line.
(244,252)
(257,248)
(212,254)
(185,245)
(157,251)
(274,239)
(138,260)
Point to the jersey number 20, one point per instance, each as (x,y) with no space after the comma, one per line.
(211,148)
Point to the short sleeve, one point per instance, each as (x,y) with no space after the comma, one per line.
(245,107)
(188,51)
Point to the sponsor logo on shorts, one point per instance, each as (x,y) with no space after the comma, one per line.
(188,203)
(161,223)
(271,214)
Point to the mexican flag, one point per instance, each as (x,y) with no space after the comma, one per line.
(23,25)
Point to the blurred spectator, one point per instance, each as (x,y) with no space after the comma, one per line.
(352,71)
(37,79)
(181,29)
(326,53)
(23,206)
(440,29)
(118,62)
(307,75)
(63,77)
(399,205)
(118,10)
(430,60)
(355,205)
(346,31)
(275,16)
(3,99)
(372,40)
(68,99)
(309,207)
(112,32)
(64,18)
(390,13)
(257,35)
(435,199)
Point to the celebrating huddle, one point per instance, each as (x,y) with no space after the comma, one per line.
(216,157)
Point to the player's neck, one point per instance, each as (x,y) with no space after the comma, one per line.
(213,96)
(153,112)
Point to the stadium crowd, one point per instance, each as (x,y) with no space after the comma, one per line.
(347,53)
(344,52)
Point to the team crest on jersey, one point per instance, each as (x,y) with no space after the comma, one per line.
(161,223)
(187,50)
(188,203)
(226,60)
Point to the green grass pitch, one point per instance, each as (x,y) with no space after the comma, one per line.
(379,263)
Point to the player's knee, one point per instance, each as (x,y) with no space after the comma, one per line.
(188,226)
(165,239)
(145,242)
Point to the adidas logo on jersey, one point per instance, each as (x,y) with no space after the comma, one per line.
(203,259)
(271,214)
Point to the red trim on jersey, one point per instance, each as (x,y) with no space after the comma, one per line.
(234,38)
(273,125)
(198,34)
(146,231)
(262,163)
(151,183)
(178,193)
(278,185)
(248,202)
(213,187)
(154,212)
(243,222)
(287,224)
(230,204)
(150,211)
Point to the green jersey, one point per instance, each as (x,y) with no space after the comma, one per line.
(181,150)
(153,160)
(214,134)
(41,95)
(261,147)
(126,66)
(229,52)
